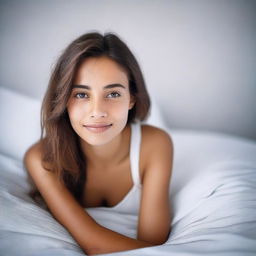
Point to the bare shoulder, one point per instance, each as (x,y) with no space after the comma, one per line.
(33,157)
(156,138)
(33,149)
(156,151)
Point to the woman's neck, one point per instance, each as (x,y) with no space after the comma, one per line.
(110,154)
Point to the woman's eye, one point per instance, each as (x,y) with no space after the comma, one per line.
(113,95)
(81,95)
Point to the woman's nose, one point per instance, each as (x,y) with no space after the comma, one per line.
(98,109)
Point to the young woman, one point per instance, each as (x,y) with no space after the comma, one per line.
(94,151)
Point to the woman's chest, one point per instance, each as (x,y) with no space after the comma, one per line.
(110,185)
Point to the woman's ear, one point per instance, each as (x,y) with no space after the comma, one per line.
(132,102)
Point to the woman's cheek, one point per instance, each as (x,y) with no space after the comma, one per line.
(121,110)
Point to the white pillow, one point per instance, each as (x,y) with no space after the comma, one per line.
(20,122)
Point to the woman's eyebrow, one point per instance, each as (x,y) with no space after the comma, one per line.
(87,87)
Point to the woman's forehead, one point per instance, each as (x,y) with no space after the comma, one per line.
(100,70)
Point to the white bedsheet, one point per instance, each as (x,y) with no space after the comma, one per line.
(213,193)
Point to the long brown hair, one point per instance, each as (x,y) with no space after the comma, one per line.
(61,150)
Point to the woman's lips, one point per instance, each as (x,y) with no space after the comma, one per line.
(97,128)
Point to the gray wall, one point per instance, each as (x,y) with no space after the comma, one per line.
(198,57)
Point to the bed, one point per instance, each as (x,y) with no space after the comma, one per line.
(213,192)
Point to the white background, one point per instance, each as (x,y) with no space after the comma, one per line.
(198,57)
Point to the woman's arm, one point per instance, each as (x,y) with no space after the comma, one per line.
(155,215)
(92,237)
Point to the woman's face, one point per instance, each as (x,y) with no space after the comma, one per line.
(100,100)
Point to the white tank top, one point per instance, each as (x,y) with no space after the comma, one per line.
(130,204)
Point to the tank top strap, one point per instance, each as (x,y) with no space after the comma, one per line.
(135,152)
